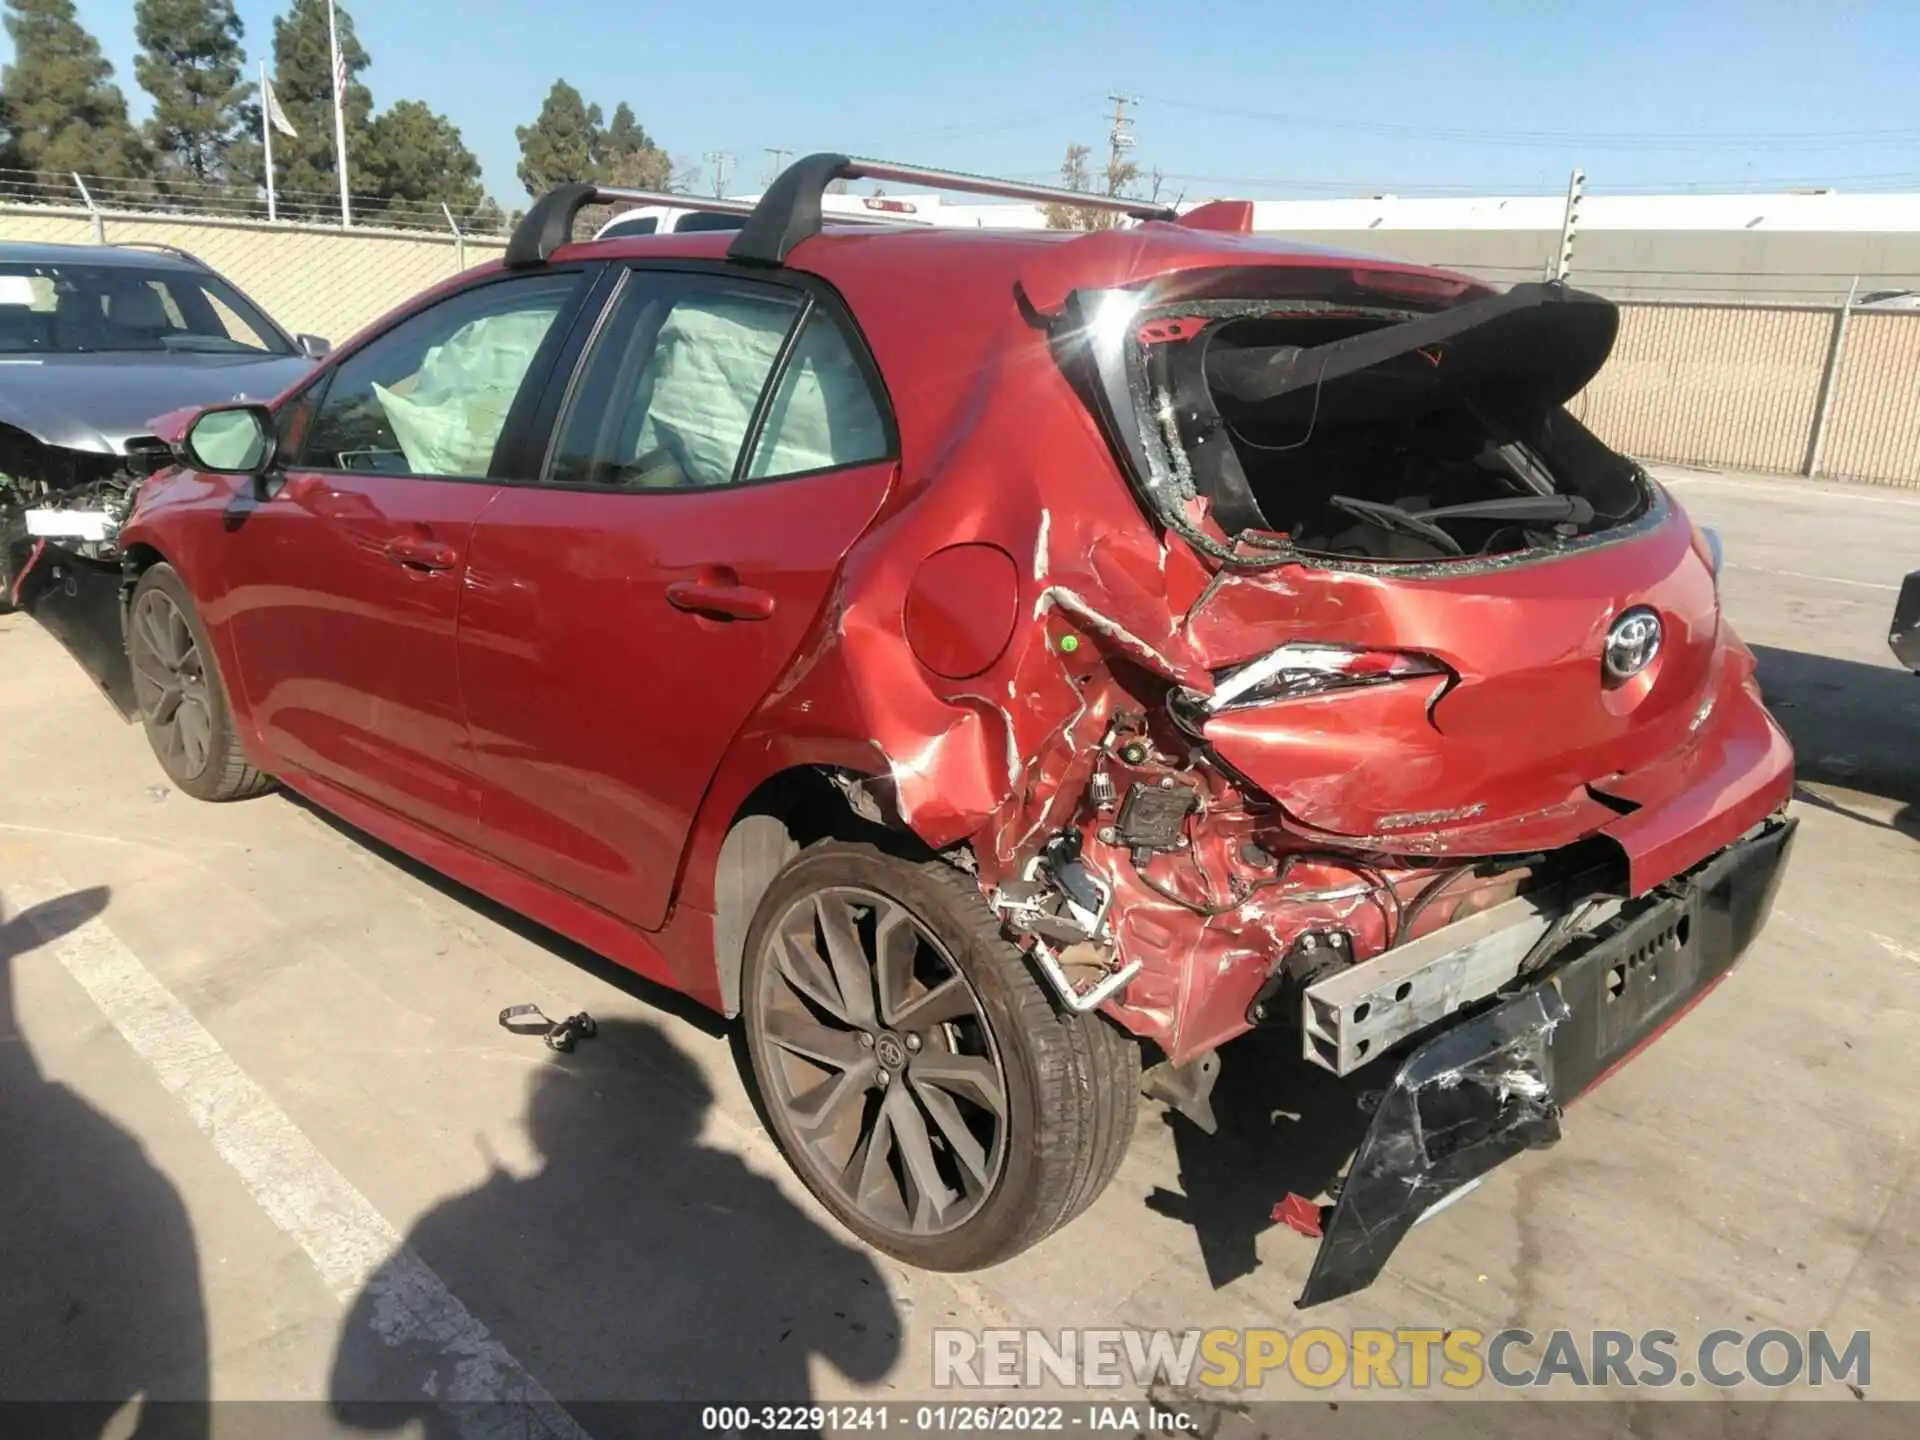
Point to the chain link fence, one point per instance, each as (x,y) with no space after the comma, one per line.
(1821,389)
(1826,391)
(184,195)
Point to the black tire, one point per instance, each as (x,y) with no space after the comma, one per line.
(205,762)
(1071,1082)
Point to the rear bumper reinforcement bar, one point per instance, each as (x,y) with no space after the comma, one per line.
(1495,1083)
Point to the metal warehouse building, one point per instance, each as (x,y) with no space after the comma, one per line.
(1796,247)
(1793,247)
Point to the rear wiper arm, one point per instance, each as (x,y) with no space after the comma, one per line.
(1393,517)
(1555,509)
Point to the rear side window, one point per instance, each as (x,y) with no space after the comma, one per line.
(681,385)
(823,414)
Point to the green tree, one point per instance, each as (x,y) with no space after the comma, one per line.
(626,155)
(190,63)
(416,158)
(64,113)
(623,137)
(560,144)
(9,146)
(305,168)
(1118,177)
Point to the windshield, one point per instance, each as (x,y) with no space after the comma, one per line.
(75,309)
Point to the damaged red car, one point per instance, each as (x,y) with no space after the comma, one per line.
(1003,668)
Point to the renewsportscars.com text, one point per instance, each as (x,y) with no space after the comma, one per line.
(1416,1359)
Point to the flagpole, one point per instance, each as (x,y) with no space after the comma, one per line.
(339,113)
(266,137)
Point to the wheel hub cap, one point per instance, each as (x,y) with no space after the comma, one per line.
(876,1052)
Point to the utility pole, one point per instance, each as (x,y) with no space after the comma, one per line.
(776,162)
(719,159)
(1120,139)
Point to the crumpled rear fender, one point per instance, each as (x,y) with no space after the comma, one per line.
(996,757)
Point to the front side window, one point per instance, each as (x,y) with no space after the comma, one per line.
(676,389)
(431,396)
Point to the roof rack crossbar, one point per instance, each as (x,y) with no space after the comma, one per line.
(549,224)
(790,211)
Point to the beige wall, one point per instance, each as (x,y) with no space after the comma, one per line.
(325,281)
(1708,384)
(1873,431)
(1740,386)
(1730,385)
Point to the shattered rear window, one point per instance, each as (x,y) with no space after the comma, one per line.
(1239,417)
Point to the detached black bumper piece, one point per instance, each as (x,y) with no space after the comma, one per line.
(1904,637)
(1495,1084)
(80,603)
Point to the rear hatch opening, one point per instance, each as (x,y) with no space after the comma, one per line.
(1357,429)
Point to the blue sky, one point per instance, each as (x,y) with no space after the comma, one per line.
(1236,97)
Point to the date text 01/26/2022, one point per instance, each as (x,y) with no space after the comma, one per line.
(959,1419)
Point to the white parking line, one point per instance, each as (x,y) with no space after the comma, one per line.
(1791,489)
(350,1243)
(1823,579)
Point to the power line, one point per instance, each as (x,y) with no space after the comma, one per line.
(991,127)
(1538,139)
(719,159)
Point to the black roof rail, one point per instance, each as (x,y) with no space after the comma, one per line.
(790,211)
(549,224)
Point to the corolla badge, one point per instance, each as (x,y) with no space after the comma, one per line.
(1631,644)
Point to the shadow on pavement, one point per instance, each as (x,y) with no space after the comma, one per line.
(658,996)
(101,1311)
(1854,726)
(1284,1126)
(636,1264)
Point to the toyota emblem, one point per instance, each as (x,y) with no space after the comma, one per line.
(1631,644)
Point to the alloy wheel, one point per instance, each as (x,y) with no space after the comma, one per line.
(874,1046)
(170,682)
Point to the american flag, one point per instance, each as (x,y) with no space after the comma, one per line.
(339,60)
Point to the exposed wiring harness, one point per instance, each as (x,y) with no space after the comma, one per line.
(1394,920)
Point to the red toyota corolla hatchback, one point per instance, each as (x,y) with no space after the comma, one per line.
(1001,667)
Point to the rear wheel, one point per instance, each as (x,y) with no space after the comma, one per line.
(183,704)
(912,1067)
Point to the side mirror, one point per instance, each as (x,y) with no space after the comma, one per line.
(231,440)
(314,347)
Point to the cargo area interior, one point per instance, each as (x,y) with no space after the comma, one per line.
(1355,464)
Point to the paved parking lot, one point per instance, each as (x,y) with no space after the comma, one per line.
(262,1137)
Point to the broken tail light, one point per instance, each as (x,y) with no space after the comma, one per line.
(1300,668)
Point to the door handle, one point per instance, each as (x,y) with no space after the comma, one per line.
(733,602)
(419,553)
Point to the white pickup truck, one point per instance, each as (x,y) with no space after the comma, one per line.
(903,209)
